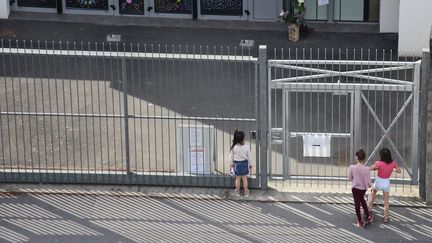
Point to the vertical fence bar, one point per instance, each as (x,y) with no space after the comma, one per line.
(2,134)
(423,119)
(273,105)
(353,123)
(257,104)
(286,133)
(133,92)
(415,125)
(357,121)
(263,108)
(125,114)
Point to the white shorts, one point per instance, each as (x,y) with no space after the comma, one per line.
(382,184)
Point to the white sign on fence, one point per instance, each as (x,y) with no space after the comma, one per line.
(196,160)
(196,136)
(316,145)
(195,149)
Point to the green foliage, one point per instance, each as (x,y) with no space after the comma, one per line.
(296,15)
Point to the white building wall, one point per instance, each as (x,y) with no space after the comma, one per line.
(415,21)
(389,16)
(4,9)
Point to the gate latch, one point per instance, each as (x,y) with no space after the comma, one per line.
(252,134)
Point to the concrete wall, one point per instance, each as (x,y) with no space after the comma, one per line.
(4,9)
(389,16)
(415,20)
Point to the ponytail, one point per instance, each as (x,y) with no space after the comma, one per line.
(238,138)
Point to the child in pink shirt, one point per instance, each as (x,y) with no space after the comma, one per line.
(385,166)
(359,175)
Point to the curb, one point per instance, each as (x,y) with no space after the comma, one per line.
(199,194)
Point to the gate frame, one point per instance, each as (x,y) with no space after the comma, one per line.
(292,84)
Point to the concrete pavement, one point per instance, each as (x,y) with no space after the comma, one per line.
(42,217)
(187,32)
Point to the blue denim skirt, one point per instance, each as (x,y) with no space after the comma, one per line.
(241,168)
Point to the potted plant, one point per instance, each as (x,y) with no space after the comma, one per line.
(295,19)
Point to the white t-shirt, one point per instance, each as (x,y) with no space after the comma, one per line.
(240,153)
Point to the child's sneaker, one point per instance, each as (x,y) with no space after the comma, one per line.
(246,194)
(237,194)
(360,224)
(370,219)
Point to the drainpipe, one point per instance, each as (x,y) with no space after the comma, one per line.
(330,11)
(59,6)
(194,9)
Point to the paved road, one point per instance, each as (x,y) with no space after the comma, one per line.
(76,218)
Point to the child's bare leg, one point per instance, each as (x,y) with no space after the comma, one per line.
(245,183)
(237,183)
(371,200)
(386,196)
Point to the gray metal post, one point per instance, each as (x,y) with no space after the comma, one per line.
(126,113)
(423,121)
(357,120)
(263,115)
(415,125)
(428,178)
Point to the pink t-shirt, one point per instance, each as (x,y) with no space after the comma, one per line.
(385,170)
(360,176)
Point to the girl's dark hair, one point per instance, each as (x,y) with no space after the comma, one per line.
(238,138)
(361,155)
(385,155)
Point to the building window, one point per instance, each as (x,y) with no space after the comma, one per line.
(173,6)
(343,10)
(222,7)
(131,7)
(87,4)
(37,3)
(356,10)
(314,11)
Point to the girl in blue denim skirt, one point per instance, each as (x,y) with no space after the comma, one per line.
(240,158)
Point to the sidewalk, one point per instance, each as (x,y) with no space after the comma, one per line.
(189,23)
(270,195)
(125,217)
(87,28)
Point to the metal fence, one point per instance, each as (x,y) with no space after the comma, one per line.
(123,113)
(325,104)
(113,113)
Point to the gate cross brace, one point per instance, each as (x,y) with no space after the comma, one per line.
(354,74)
(386,131)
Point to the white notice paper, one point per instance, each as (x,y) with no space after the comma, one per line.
(316,145)
(323,2)
(195,136)
(196,160)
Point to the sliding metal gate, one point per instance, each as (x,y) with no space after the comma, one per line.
(326,104)
(123,114)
